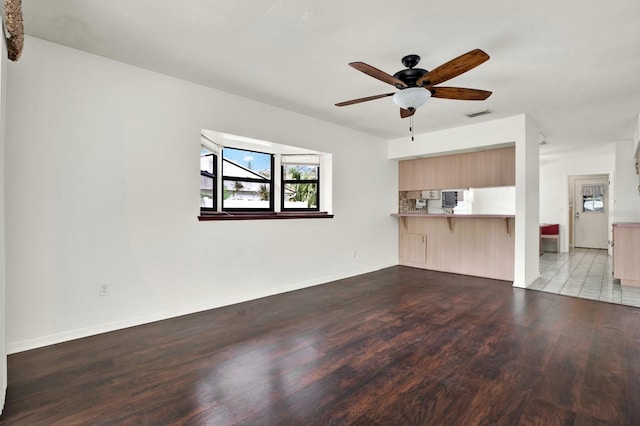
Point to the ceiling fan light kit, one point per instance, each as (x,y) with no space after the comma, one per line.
(411,97)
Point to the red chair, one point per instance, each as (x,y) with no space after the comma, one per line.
(550,232)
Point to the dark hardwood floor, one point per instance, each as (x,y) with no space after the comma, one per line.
(400,346)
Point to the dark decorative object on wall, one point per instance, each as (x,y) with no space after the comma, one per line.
(14,28)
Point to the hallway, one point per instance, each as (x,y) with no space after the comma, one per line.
(583,273)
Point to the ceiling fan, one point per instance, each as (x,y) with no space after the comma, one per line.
(417,85)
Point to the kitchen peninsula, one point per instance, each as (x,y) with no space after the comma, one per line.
(473,238)
(480,245)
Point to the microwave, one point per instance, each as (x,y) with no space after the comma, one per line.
(449,199)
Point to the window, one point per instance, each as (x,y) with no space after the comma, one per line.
(593,204)
(593,198)
(247,180)
(300,183)
(208,184)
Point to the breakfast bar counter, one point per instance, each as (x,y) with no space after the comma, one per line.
(469,244)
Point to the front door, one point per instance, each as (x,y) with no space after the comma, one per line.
(591,217)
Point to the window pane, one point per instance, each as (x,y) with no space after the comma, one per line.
(300,172)
(301,195)
(206,192)
(207,178)
(241,163)
(246,179)
(593,204)
(246,195)
(206,161)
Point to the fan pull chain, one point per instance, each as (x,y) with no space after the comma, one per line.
(411,127)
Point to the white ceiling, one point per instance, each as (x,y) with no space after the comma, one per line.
(572,65)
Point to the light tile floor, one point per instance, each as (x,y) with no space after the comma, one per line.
(584,273)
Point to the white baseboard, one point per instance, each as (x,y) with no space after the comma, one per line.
(65,336)
(526,283)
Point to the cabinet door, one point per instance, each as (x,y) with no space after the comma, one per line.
(626,246)
(413,248)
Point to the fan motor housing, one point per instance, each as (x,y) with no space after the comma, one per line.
(410,76)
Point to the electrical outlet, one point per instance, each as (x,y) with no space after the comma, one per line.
(103,289)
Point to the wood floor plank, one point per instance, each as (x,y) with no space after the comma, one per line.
(396,346)
(539,412)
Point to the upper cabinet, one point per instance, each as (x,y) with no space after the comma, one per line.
(496,167)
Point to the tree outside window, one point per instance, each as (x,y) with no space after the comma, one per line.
(300,187)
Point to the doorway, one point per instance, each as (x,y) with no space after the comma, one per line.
(589,211)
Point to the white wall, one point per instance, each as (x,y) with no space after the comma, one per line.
(636,136)
(527,229)
(520,131)
(103,187)
(488,134)
(498,200)
(627,197)
(555,169)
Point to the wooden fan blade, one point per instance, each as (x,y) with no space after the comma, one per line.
(404,113)
(376,73)
(460,93)
(368,98)
(453,68)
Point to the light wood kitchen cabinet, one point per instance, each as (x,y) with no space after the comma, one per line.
(477,245)
(470,244)
(626,246)
(413,248)
(495,167)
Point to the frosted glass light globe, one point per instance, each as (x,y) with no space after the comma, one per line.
(411,97)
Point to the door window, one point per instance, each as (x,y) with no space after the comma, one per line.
(593,198)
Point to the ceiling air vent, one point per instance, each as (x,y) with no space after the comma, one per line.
(478,113)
